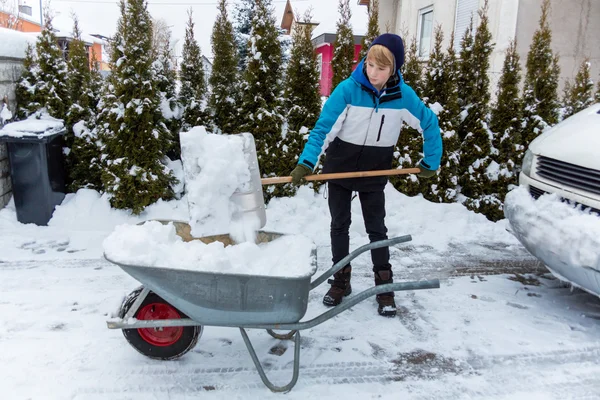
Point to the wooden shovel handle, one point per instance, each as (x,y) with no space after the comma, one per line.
(342,175)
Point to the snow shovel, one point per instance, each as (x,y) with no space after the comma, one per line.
(250,204)
(342,175)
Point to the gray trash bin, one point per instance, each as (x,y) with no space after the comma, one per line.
(36,168)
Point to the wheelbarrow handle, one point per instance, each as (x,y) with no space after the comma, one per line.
(342,175)
(346,260)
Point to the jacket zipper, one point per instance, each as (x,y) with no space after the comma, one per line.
(380,127)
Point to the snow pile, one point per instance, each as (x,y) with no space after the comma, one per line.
(216,167)
(436,226)
(14,43)
(156,245)
(37,125)
(5,114)
(552,229)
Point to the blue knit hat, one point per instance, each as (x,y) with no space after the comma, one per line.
(394,44)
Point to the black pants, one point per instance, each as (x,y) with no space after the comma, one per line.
(373,208)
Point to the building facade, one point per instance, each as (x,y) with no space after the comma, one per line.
(575,28)
(94,44)
(323,45)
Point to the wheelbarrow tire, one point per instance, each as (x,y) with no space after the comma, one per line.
(159,344)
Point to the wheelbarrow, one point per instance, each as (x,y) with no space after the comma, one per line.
(164,318)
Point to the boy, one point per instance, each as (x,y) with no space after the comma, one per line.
(363,117)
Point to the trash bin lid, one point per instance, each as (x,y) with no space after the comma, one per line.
(38,127)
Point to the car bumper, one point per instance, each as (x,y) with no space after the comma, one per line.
(557,246)
(537,188)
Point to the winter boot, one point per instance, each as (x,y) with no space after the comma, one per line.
(340,287)
(385,301)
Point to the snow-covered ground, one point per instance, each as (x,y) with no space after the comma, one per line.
(479,336)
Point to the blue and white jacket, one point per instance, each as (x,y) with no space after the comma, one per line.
(362,126)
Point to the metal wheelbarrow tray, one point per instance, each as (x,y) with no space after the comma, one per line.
(165,317)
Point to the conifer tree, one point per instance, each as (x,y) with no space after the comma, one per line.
(192,94)
(110,108)
(505,124)
(598,92)
(372,29)
(261,88)
(566,94)
(135,139)
(540,90)
(343,47)
(285,42)
(412,70)
(165,76)
(476,145)
(449,124)
(224,96)
(434,82)
(96,81)
(79,81)
(409,149)
(27,101)
(82,158)
(243,15)
(440,86)
(302,100)
(507,112)
(466,83)
(51,86)
(581,93)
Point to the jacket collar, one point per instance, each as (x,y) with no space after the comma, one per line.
(392,85)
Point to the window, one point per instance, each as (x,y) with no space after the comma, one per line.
(425,31)
(465,10)
(320,64)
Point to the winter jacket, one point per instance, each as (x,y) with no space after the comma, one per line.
(362,127)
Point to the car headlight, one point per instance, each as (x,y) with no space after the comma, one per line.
(527,163)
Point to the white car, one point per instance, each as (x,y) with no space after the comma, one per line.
(563,161)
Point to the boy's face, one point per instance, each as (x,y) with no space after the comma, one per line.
(378,75)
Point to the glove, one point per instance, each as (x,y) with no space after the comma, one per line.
(299,173)
(425,173)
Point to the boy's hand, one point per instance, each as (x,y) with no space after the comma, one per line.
(299,173)
(425,173)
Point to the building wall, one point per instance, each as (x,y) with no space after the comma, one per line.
(389,15)
(407,24)
(10,71)
(22,24)
(575,28)
(325,52)
(96,50)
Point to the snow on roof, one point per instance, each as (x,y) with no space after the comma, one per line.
(13,43)
(63,27)
(86,38)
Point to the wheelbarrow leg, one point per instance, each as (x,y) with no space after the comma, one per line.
(261,371)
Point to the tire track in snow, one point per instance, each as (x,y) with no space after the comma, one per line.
(566,373)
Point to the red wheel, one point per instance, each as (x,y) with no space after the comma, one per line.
(159,336)
(166,343)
